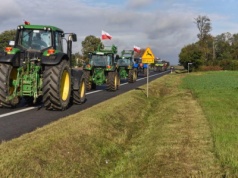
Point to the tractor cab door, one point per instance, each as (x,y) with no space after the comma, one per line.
(58,41)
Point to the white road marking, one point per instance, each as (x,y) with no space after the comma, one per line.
(15,112)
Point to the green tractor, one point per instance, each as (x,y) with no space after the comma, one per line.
(160,66)
(102,69)
(35,68)
(126,66)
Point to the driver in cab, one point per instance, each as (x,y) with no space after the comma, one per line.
(37,40)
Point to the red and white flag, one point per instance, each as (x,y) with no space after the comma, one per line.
(26,22)
(136,49)
(106,36)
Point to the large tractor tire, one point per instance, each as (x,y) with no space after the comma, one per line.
(118,80)
(112,81)
(94,86)
(87,77)
(132,76)
(136,73)
(145,71)
(79,96)
(7,75)
(57,86)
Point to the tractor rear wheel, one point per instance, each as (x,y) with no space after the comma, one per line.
(87,80)
(112,81)
(7,75)
(57,86)
(79,95)
(145,71)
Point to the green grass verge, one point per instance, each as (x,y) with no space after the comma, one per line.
(165,135)
(217,93)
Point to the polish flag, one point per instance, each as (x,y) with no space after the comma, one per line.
(26,22)
(136,49)
(106,35)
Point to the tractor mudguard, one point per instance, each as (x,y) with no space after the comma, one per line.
(135,65)
(145,66)
(77,76)
(7,58)
(53,59)
(14,59)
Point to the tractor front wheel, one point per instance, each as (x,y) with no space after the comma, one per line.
(79,95)
(57,86)
(87,77)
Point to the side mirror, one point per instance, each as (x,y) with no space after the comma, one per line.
(74,37)
(11,43)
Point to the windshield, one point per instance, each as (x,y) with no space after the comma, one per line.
(159,62)
(98,60)
(35,39)
(124,62)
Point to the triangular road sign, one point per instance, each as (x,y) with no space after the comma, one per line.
(148,56)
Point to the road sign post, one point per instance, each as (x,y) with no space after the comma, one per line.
(148,58)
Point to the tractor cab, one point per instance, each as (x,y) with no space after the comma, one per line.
(39,37)
(126,59)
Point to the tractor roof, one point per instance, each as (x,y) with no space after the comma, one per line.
(40,27)
(106,50)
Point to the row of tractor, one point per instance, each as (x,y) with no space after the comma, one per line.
(106,67)
(34,68)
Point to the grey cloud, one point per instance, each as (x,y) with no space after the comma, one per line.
(8,11)
(166,32)
(138,3)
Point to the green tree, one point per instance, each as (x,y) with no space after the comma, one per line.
(234,46)
(77,60)
(223,46)
(5,37)
(204,26)
(191,54)
(90,44)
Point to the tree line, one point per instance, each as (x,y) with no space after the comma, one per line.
(210,52)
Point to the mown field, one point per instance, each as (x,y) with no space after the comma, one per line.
(186,128)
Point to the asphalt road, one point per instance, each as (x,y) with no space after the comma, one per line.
(24,119)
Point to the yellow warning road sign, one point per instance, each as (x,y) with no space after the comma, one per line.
(148,56)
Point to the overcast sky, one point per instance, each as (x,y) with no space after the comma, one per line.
(163,25)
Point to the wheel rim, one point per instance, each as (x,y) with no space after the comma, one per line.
(64,90)
(134,75)
(82,90)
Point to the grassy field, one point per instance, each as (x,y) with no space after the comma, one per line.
(217,93)
(186,128)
